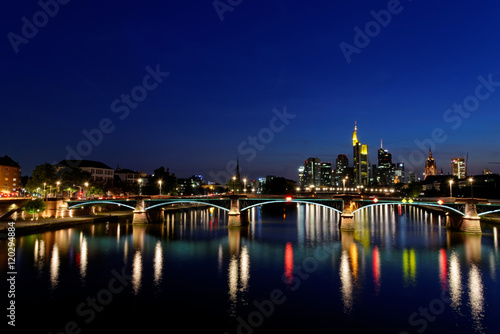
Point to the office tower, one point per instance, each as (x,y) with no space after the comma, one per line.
(385,170)
(458,167)
(326,174)
(341,165)
(399,173)
(312,172)
(360,159)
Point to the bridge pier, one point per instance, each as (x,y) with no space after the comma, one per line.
(235,217)
(347,217)
(140,215)
(471,221)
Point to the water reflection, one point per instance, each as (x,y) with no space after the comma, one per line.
(443,270)
(137,272)
(158,263)
(455,277)
(238,275)
(476,298)
(39,254)
(83,255)
(54,266)
(376,269)
(288,263)
(348,269)
(409,267)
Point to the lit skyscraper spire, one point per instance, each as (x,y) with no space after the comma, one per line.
(354,135)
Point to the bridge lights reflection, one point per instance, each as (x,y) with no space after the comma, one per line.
(455,278)
(137,272)
(54,266)
(376,269)
(409,267)
(158,263)
(476,298)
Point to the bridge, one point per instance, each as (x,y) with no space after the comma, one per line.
(461,214)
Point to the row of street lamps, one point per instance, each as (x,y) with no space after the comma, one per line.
(471,189)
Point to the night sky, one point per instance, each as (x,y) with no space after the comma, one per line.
(191,85)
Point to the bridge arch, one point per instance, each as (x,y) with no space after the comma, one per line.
(292,201)
(99,202)
(413,204)
(485,213)
(186,201)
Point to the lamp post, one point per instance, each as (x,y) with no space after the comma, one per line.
(140,186)
(343,181)
(244,185)
(451,182)
(159,182)
(58,183)
(471,193)
(44,187)
(86,189)
(234,179)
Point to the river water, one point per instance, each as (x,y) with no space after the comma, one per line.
(290,271)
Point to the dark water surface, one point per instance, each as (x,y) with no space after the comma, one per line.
(295,272)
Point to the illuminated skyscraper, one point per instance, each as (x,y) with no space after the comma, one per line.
(458,167)
(430,165)
(360,159)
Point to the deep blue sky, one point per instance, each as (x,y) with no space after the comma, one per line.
(226,77)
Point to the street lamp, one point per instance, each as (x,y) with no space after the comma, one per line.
(245,185)
(343,181)
(451,182)
(58,183)
(234,179)
(140,186)
(86,189)
(44,186)
(159,182)
(471,193)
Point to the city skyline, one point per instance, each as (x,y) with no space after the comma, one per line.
(172,85)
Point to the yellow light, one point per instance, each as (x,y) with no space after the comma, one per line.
(410,201)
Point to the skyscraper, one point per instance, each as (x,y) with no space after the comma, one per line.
(341,166)
(326,174)
(312,172)
(458,167)
(430,165)
(385,170)
(360,159)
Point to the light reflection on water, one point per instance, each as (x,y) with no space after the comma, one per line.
(393,251)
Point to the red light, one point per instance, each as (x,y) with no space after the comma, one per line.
(375,200)
(440,202)
(288,198)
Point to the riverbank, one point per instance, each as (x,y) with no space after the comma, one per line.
(24,227)
(28,226)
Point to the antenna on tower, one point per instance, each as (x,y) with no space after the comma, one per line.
(466,163)
(381,146)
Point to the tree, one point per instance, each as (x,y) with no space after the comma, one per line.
(279,186)
(42,174)
(168,180)
(35,206)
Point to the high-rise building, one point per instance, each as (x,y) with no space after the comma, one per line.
(312,172)
(458,167)
(326,174)
(399,173)
(10,175)
(385,170)
(341,165)
(360,159)
(412,177)
(302,179)
(430,165)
